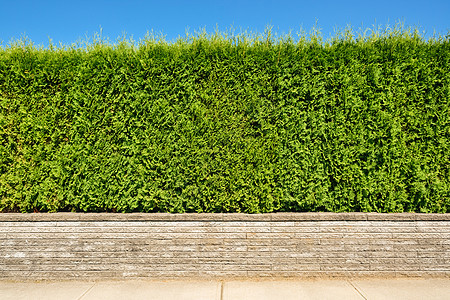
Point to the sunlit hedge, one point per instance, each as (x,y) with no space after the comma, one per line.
(216,123)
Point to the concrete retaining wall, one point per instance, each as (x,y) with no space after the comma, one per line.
(66,245)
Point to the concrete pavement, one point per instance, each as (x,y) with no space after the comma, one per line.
(401,288)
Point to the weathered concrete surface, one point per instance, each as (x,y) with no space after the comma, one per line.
(429,289)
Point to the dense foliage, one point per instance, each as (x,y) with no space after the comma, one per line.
(227,124)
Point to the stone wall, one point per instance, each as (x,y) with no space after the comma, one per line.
(69,245)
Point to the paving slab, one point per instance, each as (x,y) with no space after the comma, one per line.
(155,290)
(10,290)
(401,288)
(289,290)
(392,288)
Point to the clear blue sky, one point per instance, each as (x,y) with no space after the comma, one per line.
(69,21)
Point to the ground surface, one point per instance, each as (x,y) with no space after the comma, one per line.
(430,288)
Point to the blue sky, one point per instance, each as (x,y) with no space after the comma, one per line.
(67,22)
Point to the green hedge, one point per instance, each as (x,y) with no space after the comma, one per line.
(227,124)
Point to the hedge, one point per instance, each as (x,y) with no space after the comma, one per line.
(237,123)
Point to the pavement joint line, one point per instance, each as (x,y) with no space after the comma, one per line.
(221,290)
(87,291)
(356,289)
